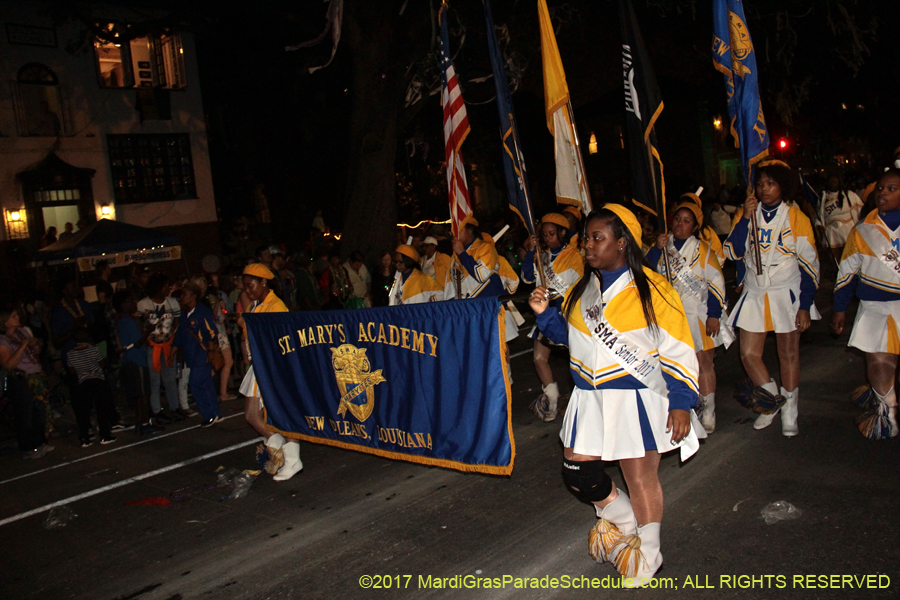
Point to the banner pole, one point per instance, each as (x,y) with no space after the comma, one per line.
(584,184)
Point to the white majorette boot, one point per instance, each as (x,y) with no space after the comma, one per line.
(763,421)
(544,406)
(708,414)
(552,391)
(891,400)
(616,521)
(292,462)
(789,426)
(640,559)
(270,455)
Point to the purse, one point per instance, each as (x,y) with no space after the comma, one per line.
(214,354)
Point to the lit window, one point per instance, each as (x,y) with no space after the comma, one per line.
(149,167)
(592,145)
(154,61)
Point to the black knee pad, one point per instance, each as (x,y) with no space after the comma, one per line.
(588,478)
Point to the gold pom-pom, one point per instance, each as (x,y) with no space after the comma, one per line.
(629,556)
(602,539)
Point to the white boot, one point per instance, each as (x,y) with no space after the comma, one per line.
(552,392)
(789,426)
(708,415)
(891,400)
(616,521)
(292,462)
(763,421)
(275,460)
(640,558)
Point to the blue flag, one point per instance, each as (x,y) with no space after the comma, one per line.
(734,56)
(425,383)
(513,163)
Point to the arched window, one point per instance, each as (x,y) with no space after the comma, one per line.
(39,106)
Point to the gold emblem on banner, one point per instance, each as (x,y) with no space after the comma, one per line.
(356,380)
(741,46)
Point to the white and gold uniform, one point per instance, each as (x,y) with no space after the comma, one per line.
(627,375)
(870,269)
(417,288)
(838,217)
(790,270)
(697,277)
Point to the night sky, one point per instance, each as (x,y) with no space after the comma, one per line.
(272,123)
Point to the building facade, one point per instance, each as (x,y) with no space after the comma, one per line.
(101,117)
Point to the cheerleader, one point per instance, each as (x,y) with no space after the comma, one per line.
(780,299)
(705,233)
(635,373)
(412,286)
(838,213)
(697,276)
(562,266)
(870,269)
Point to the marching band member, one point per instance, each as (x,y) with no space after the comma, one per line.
(476,265)
(435,264)
(697,277)
(573,217)
(412,286)
(635,375)
(705,232)
(281,455)
(780,299)
(838,213)
(563,266)
(870,268)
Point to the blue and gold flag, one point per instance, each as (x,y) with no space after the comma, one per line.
(425,383)
(734,56)
(513,163)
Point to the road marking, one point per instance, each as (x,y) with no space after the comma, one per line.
(125,482)
(116,449)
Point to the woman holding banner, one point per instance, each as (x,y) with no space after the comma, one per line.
(870,269)
(413,286)
(281,457)
(562,267)
(697,277)
(635,373)
(782,276)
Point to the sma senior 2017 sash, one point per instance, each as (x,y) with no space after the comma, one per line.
(625,351)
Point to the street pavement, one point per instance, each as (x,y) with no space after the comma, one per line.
(353,525)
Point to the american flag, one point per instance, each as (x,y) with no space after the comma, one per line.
(456,128)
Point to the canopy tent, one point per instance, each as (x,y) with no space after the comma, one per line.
(119,243)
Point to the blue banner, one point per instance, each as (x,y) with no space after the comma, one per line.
(513,164)
(734,56)
(425,383)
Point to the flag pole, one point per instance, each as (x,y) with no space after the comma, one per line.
(537,254)
(661,211)
(754,233)
(584,183)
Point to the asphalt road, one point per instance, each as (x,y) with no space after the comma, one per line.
(349,516)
